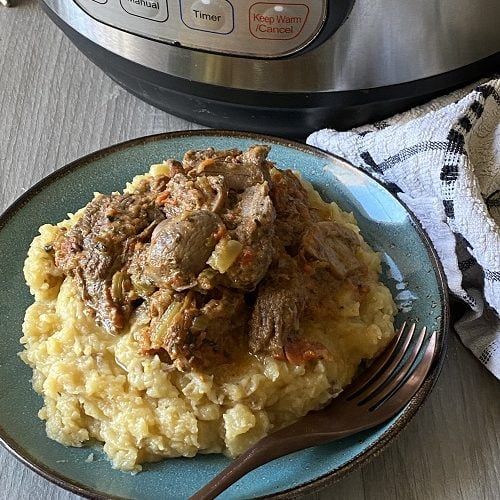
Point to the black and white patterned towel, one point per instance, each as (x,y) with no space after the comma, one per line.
(443,158)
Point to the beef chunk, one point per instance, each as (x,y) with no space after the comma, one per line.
(96,250)
(183,194)
(180,248)
(283,299)
(331,246)
(293,212)
(295,285)
(178,340)
(240,170)
(280,302)
(254,217)
(193,158)
(195,330)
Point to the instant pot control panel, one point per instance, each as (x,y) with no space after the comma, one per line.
(234,27)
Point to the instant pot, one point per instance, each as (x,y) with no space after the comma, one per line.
(285,68)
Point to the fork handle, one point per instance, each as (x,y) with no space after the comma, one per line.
(276,445)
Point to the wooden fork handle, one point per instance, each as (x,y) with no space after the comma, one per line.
(276,445)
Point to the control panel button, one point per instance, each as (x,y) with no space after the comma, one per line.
(214,16)
(155,10)
(277,21)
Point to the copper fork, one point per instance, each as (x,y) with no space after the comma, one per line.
(380,392)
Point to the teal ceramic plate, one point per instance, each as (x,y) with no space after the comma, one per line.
(411,270)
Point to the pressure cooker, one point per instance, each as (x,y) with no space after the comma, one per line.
(285,67)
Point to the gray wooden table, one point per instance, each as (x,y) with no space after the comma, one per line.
(55,106)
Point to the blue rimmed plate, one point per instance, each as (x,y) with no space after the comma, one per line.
(411,270)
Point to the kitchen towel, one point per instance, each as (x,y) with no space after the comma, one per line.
(443,160)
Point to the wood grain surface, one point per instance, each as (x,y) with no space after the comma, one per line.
(56,106)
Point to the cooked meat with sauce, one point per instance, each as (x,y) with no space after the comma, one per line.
(293,211)
(331,246)
(194,328)
(240,170)
(291,287)
(96,250)
(184,194)
(254,218)
(280,303)
(180,248)
(220,253)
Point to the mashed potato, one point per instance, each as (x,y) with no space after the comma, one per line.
(97,386)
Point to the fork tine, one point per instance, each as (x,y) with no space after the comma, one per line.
(373,371)
(374,391)
(400,394)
